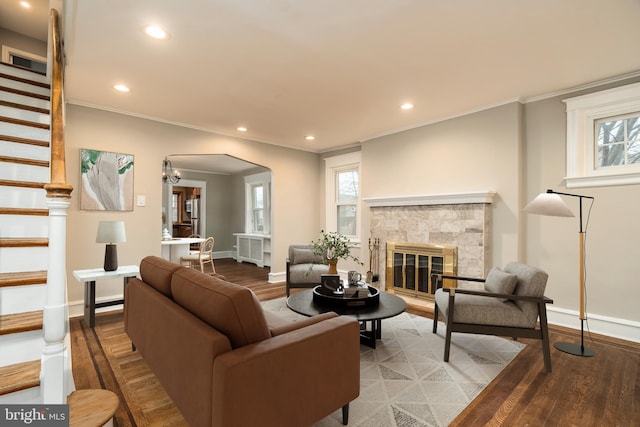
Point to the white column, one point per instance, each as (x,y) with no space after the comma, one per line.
(56,379)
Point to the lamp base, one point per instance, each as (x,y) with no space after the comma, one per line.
(575,349)
(110,258)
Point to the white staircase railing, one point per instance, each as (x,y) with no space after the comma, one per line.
(56,376)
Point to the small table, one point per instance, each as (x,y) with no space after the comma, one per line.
(89,277)
(390,305)
(174,248)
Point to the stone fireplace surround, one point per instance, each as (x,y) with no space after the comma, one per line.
(459,219)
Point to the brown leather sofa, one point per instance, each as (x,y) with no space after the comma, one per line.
(226,362)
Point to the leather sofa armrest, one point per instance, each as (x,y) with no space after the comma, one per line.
(296,378)
(302,323)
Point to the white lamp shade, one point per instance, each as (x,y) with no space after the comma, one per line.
(111,232)
(548,204)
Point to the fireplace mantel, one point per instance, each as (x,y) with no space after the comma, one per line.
(432,199)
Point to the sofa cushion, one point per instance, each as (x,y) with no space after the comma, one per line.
(481,310)
(157,273)
(307,273)
(500,282)
(305,256)
(231,309)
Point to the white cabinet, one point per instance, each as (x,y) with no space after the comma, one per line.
(255,248)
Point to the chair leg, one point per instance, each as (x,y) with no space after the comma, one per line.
(447,340)
(345,414)
(435,318)
(544,328)
(447,344)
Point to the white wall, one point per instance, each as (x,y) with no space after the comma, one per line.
(296,183)
(519,151)
(476,152)
(612,235)
(22,42)
(516,150)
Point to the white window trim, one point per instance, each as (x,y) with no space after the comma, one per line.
(263,178)
(8,52)
(582,112)
(332,165)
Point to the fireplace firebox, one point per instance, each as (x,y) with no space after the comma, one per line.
(409,267)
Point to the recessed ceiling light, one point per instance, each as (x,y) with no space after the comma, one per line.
(156,32)
(121,88)
(309,137)
(241,129)
(407,106)
(25,4)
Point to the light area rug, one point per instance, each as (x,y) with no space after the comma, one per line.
(404,381)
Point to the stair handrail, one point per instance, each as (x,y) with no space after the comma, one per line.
(58,186)
(56,375)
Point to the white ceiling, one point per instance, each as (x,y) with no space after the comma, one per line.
(337,69)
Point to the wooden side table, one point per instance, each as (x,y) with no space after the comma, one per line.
(92,408)
(89,277)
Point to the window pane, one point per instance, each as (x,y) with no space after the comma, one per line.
(633,128)
(258,201)
(258,220)
(174,208)
(609,132)
(347,186)
(617,140)
(347,220)
(634,152)
(611,155)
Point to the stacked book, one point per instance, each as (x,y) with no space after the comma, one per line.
(359,290)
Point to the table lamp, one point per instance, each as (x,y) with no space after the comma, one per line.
(111,232)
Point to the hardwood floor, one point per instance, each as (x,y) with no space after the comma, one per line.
(593,391)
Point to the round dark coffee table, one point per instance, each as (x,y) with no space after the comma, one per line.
(390,305)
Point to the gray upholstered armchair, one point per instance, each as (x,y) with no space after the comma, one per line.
(510,305)
(304,268)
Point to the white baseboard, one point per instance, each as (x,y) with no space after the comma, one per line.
(277,277)
(224,254)
(76,308)
(604,325)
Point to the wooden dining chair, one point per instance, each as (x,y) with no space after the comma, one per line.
(194,248)
(202,257)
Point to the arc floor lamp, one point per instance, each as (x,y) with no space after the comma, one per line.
(550,203)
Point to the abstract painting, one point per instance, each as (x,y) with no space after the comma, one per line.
(107,181)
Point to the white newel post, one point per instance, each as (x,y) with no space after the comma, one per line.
(56,380)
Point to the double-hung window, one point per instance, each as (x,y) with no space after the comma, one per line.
(257,207)
(343,195)
(603,138)
(258,203)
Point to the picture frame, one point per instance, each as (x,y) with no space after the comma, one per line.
(106,180)
(330,281)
